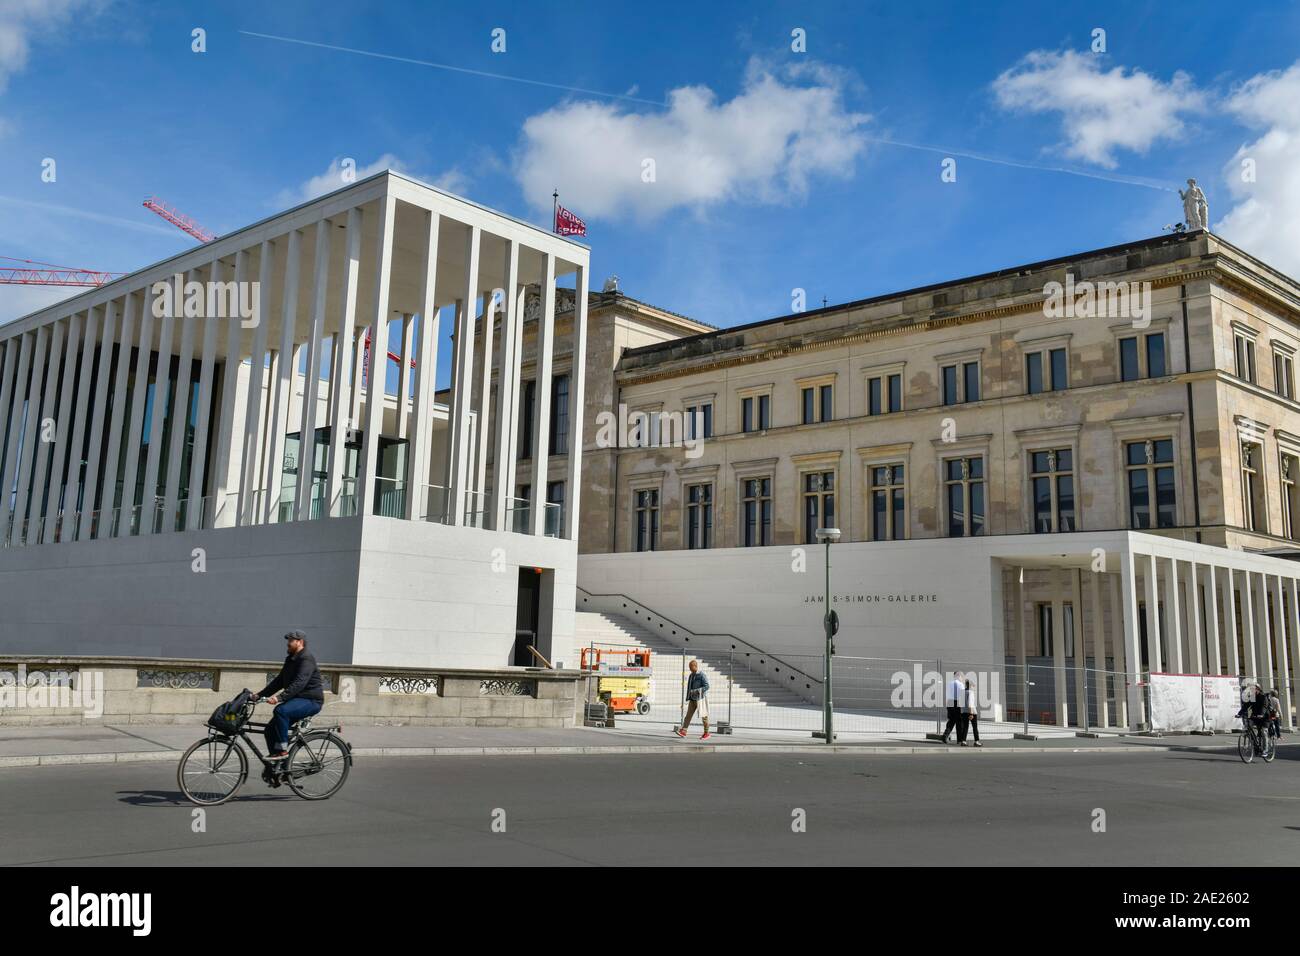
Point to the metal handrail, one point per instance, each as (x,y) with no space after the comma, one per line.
(739,640)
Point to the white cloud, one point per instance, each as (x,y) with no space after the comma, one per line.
(1266,220)
(22,21)
(764,145)
(453,180)
(1101,110)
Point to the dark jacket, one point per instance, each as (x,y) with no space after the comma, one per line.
(299,677)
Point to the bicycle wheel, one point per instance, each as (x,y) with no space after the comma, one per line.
(1246,747)
(212,770)
(318,765)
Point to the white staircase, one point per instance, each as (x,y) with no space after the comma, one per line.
(748,689)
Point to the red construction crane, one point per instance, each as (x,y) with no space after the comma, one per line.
(46,274)
(178,219)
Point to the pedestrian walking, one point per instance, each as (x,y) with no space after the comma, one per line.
(1275,714)
(954,698)
(697,700)
(973,712)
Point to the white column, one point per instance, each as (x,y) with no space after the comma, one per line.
(1080,649)
(228,515)
(1155,663)
(249,492)
(507,391)
(542,403)
(378,373)
(1058,646)
(111,509)
(404,373)
(1263,633)
(340,404)
(1174,626)
(359,372)
(464,385)
(1132,653)
(71,342)
(31,435)
(1250,627)
(426,372)
(1098,677)
(1283,683)
(36,530)
(577,387)
(285,379)
(194,508)
(10,404)
(139,395)
(180,413)
(1193,605)
(97,520)
(483,431)
(311,381)
(1214,663)
(1230,621)
(76,496)
(1119,658)
(161,391)
(1294,593)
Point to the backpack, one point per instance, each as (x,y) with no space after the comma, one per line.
(230,717)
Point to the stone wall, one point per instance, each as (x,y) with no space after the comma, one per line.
(138,691)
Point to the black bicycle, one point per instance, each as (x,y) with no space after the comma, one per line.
(214,768)
(1256,738)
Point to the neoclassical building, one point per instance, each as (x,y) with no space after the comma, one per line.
(1114,434)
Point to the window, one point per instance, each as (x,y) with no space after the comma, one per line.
(554,518)
(1142,356)
(1151,498)
(699,417)
(559,440)
(755,412)
(818,503)
(885,394)
(699,516)
(1046,646)
(528,398)
(961,383)
(964,491)
(1244,351)
(1283,374)
(1045,371)
(1252,487)
(756,509)
(647,519)
(818,403)
(1051,488)
(1290,469)
(888,503)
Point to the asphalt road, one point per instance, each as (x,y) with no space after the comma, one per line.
(974,808)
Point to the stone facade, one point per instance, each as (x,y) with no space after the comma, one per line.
(1203,294)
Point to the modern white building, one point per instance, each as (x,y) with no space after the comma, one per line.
(157,430)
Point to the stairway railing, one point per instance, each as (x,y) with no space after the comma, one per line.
(788,672)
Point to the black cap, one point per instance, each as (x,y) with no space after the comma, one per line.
(295,635)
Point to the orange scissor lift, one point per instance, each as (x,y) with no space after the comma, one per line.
(623,677)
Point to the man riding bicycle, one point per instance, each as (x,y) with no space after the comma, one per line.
(298,692)
(1258,712)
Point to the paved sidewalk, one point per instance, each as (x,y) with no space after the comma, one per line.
(50,746)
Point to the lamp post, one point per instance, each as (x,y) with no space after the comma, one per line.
(831,624)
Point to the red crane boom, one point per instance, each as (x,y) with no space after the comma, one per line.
(178,219)
(46,274)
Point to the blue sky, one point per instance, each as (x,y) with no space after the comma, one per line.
(774,170)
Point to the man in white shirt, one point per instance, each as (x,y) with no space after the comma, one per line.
(954,698)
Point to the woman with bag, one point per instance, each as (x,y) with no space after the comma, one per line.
(972,712)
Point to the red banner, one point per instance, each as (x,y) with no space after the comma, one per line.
(567,224)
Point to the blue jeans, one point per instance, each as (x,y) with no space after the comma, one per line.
(277,728)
